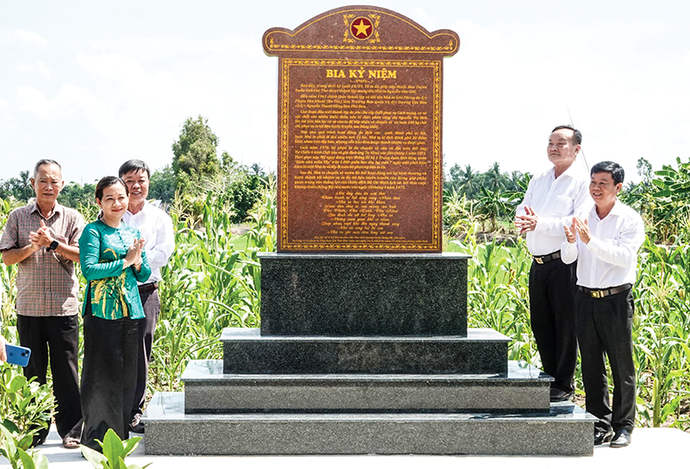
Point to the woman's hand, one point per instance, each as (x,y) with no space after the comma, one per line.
(133,257)
(2,349)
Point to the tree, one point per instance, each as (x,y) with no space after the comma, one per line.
(195,158)
(25,181)
(464,181)
(644,169)
(74,194)
(19,188)
(162,185)
(493,179)
(494,205)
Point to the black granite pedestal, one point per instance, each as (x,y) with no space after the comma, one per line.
(364,295)
(361,354)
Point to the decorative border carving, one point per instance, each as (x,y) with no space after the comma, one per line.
(284,131)
(349,44)
(450,47)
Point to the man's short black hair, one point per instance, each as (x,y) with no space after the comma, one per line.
(577,135)
(45,161)
(617,172)
(134,165)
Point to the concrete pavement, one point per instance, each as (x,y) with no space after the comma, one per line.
(651,447)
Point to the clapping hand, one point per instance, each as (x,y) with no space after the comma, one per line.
(41,237)
(526,222)
(133,256)
(579,227)
(582,230)
(570,232)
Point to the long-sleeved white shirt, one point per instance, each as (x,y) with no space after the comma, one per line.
(156,227)
(555,201)
(610,257)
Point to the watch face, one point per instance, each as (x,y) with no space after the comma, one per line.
(53,245)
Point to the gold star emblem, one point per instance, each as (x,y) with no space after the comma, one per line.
(362,27)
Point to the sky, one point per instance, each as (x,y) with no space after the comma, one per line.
(93,84)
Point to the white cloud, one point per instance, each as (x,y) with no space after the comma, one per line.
(505,90)
(233,85)
(39,67)
(24,67)
(43,69)
(32,37)
(4,103)
(69,100)
(422,18)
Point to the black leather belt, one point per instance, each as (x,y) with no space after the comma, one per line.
(605,292)
(547,258)
(147,287)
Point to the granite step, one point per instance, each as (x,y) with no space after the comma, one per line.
(564,430)
(208,390)
(248,351)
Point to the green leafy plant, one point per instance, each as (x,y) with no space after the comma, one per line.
(26,407)
(114,452)
(17,455)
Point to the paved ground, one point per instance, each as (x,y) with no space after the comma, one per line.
(658,447)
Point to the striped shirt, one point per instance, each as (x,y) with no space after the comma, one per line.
(46,281)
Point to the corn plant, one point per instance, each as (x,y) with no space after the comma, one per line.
(497,295)
(209,285)
(661,335)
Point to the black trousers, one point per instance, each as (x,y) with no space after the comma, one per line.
(56,337)
(604,328)
(552,314)
(147,329)
(108,377)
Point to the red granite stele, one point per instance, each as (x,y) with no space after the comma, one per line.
(359,140)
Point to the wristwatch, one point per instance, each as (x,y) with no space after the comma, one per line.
(53,246)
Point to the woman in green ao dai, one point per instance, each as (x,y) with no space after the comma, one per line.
(112,260)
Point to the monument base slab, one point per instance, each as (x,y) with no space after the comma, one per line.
(250,351)
(524,389)
(564,430)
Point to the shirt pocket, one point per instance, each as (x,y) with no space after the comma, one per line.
(561,206)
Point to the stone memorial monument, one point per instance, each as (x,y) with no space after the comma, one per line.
(363,346)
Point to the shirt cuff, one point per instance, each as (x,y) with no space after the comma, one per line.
(594,245)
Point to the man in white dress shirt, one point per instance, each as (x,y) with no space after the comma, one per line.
(156,228)
(551,200)
(608,238)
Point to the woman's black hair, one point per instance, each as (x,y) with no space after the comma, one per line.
(107,182)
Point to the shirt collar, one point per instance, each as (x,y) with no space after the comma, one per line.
(572,171)
(616,210)
(145,209)
(58,209)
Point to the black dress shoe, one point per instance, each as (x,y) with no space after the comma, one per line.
(136,426)
(558,395)
(601,436)
(38,440)
(621,439)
